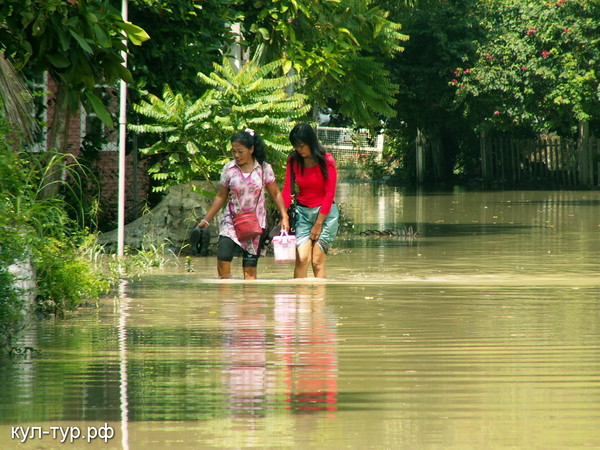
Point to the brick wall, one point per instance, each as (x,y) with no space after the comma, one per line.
(136,185)
(106,166)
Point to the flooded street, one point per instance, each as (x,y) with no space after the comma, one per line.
(480,331)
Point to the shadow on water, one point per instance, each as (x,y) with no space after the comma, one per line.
(558,203)
(451,229)
(463,229)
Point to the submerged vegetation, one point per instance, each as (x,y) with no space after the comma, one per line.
(54,238)
(47,235)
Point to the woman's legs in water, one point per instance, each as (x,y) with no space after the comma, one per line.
(225,251)
(303,258)
(224,269)
(250,273)
(318,261)
(310,253)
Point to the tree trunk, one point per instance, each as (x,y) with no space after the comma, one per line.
(437,157)
(586,169)
(58,141)
(420,157)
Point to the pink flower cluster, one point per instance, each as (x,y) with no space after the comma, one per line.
(459,71)
(558,3)
(531,32)
(545,54)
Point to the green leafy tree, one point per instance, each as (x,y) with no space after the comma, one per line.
(336,46)
(79,44)
(442,35)
(181,154)
(186,37)
(255,97)
(194,135)
(536,69)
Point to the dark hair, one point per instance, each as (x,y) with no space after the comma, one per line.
(305,133)
(250,138)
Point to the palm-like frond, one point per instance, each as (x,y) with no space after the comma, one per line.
(255,96)
(16,100)
(371,97)
(194,136)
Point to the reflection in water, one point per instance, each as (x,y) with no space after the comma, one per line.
(122,332)
(245,352)
(306,344)
(301,352)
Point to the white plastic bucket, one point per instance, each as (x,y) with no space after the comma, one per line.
(284,247)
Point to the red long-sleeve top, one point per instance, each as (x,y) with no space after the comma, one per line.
(313,189)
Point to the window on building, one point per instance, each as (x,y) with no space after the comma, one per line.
(95,135)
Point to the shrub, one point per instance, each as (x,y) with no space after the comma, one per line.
(64,278)
(39,230)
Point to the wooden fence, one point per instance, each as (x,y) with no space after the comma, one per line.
(546,161)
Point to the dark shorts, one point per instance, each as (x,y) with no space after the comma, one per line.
(227,249)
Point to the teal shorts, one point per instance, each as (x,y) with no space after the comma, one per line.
(306,218)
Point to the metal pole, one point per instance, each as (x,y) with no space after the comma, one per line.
(122,148)
(120,247)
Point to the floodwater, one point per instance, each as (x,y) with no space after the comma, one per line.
(482,331)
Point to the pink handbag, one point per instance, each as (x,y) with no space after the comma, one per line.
(246,223)
(246,226)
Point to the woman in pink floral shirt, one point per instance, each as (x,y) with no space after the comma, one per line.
(241,188)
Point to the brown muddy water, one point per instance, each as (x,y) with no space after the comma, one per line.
(482,332)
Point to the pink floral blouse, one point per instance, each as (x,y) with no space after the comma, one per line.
(246,193)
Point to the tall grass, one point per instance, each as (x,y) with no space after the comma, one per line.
(51,234)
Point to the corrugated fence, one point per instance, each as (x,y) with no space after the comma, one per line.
(545,161)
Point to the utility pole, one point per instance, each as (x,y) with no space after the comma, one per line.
(122,147)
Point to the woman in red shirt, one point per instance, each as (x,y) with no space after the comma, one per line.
(317,215)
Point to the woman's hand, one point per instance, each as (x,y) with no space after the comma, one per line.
(203,224)
(315,231)
(273,189)
(284,223)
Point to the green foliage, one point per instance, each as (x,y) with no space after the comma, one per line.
(64,278)
(442,35)
(254,97)
(372,101)
(537,67)
(78,43)
(337,46)
(11,243)
(192,33)
(183,151)
(16,101)
(194,135)
(47,216)
(41,232)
